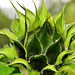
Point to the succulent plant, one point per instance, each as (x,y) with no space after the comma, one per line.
(39,44)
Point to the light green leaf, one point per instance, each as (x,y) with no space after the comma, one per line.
(70,68)
(53,51)
(10,53)
(49,67)
(15,26)
(5,70)
(71,30)
(21,28)
(35,24)
(59,20)
(44,15)
(9,34)
(62,56)
(69,59)
(16,74)
(72,45)
(20,61)
(67,28)
(38,62)
(33,73)
(67,42)
(34,47)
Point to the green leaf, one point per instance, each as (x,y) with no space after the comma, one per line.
(20,49)
(44,36)
(70,68)
(5,70)
(20,61)
(55,34)
(59,20)
(38,62)
(35,24)
(53,51)
(62,56)
(71,30)
(44,15)
(15,26)
(67,42)
(69,59)
(21,28)
(33,73)
(72,45)
(67,28)
(31,17)
(10,53)
(9,34)
(16,74)
(49,67)
(34,47)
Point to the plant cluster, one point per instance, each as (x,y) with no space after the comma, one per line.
(39,45)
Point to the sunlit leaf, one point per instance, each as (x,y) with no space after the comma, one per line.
(68,68)
(5,70)
(9,34)
(9,52)
(44,15)
(69,59)
(15,26)
(33,73)
(67,42)
(20,61)
(49,67)
(21,28)
(72,45)
(62,56)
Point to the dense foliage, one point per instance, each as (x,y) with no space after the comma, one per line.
(39,45)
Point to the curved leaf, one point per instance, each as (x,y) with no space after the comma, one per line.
(20,48)
(5,70)
(44,35)
(15,26)
(59,20)
(44,15)
(38,62)
(69,59)
(67,28)
(21,26)
(72,45)
(70,68)
(8,34)
(49,67)
(20,61)
(53,51)
(10,53)
(67,42)
(62,56)
(33,73)
(34,47)
(71,30)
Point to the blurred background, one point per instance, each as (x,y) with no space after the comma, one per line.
(7,12)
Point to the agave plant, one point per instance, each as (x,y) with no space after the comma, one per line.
(39,45)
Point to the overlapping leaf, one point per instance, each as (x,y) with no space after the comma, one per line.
(62,56)
(21,61)
(10,53)
(38,62)
(34,47)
